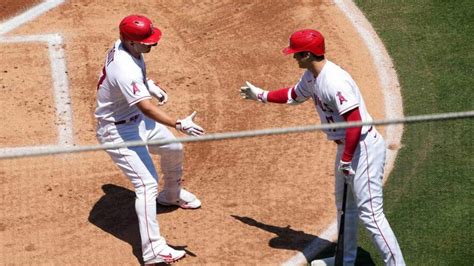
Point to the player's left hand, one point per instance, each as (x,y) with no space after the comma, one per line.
(346,168)
(157,92)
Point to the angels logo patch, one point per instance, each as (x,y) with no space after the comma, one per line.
(341,98)
(135,88)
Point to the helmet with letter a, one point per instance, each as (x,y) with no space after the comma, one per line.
(138,28)
(306,40)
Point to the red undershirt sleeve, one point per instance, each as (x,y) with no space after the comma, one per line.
(352,134)
(280,95)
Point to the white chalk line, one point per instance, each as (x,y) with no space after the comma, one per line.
(28,15)
(61,91)
(393,108)
(62,100)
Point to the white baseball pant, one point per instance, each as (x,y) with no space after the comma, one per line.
(365,200)
(137,164)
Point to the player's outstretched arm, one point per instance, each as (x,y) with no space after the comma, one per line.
(284,95)
(185,125)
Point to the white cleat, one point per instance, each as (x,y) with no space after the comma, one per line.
(323,262)
(187,200)
(167,255)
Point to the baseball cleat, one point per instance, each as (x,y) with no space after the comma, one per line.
(167,255)
(187,200)
(323,262)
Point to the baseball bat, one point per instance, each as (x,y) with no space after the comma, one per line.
(339,257)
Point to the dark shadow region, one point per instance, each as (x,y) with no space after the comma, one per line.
(291,239)
(115,214)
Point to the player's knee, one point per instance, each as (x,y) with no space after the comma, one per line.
(168,148)
(172,157)
(368,217)
(175,147)
(146,187)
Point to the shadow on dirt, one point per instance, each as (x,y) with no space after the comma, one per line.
(115,213)
(288,238)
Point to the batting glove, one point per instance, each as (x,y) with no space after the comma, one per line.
(157,92)
(252,92)
(187,126)
(346,168)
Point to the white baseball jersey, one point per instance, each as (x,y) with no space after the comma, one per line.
(117,93)
(334,92)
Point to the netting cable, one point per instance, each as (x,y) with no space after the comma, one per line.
(50,150)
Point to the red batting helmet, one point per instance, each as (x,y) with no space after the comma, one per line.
(139,29)
(306,41)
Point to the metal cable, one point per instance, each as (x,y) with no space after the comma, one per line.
(50,150)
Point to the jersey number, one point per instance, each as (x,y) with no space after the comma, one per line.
(102,77)
(110,58)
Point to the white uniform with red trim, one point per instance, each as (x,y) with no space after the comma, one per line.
(334,93)
(121,86)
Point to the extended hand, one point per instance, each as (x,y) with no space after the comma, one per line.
(157,92)
(187,126)
(346,168)
(252,92)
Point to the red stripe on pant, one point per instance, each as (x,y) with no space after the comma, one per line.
(371,206)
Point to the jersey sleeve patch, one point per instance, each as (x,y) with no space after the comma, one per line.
(345,103)
(132,87)
(343,97)
(135,88)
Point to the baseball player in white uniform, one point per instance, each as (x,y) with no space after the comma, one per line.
(125,112)
(360,155)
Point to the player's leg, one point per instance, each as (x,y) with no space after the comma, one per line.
(137,164)
(368,194)
(351,213)
(171,161)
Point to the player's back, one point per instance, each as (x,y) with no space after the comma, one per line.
(121,71)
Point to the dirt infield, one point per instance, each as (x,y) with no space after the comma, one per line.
(263,198)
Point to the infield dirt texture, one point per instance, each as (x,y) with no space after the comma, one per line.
(263,198)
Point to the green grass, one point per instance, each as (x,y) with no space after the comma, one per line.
(428,197)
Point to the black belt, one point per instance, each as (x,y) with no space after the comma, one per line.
(131,119)
(341,141)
